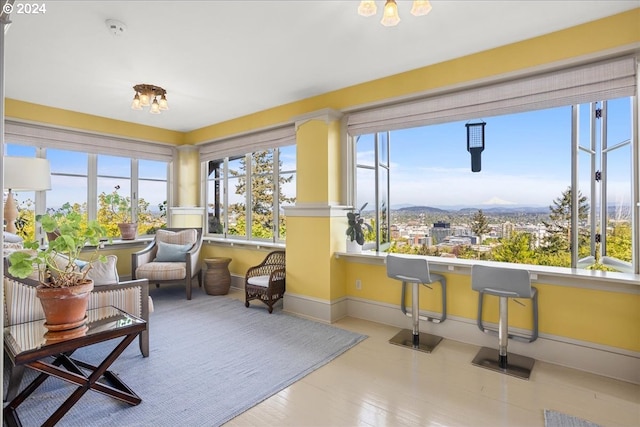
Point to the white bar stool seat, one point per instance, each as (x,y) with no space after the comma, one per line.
(415,270)
(504,283)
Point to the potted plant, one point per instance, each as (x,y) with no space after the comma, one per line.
(64,287)
(120,209)
(355,232)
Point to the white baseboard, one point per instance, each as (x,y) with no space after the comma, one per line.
(589,357)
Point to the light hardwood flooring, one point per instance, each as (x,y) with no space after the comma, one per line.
(380,384)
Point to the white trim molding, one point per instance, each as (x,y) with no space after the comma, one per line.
(327,115)
(316,210)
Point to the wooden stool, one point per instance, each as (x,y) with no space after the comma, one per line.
(217,279)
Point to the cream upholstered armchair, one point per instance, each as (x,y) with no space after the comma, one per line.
(172,257)
(22,305)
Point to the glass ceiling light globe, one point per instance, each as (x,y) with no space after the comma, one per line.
(420,7)
(155,107)
(144,99)
(390,16)
(367,8)
(135,105)
(163,104)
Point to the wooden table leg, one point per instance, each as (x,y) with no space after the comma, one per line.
(73,374)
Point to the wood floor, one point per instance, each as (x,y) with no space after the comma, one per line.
(380,384)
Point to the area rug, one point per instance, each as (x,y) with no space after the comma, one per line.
(558,419)
(211,359)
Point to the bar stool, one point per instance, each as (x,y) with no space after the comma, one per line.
(504,283)
(416,271)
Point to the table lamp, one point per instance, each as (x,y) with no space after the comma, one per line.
(23,174)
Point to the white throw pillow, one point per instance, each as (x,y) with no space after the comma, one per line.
(11,238)
(103,273)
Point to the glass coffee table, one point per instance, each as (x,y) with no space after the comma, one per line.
(32,346)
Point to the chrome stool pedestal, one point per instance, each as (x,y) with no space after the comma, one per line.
(416,272)
(504,283)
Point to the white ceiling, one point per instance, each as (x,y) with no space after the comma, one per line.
(223,59)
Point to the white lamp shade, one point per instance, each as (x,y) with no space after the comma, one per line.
(26,174)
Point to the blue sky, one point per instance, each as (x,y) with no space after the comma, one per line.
(526,160)
(112,171)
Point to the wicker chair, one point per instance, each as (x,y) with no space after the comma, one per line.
(147,265)
(266,281)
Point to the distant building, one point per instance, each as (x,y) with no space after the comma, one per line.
(439,233)
(442,224)
(507,230)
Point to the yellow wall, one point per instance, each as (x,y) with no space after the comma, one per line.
(55,116)
(188,176)
(242,257)
(607,318)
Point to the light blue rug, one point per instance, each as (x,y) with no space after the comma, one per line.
(211,359)
(558,419)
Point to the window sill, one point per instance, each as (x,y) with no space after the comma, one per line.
(253,244)
(573,277)
(122,244)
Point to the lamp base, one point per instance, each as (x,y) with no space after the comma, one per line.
(10,213)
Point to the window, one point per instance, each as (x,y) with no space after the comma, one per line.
(246,194)
(69,180)
(518,207)
(152,188)
(73,182)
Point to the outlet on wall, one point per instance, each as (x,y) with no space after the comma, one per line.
(358,284)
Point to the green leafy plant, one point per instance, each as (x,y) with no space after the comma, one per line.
(118,206)
(57,263)
(356,223)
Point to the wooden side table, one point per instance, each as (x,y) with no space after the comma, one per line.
(218,278)
(27,347)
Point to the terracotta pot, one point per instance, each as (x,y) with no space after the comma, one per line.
(65,308)
(128,230)
(53,235)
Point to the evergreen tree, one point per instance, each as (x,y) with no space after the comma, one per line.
(262,195)
(619,242)
(558,239)
(479,224)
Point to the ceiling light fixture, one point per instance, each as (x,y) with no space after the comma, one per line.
(390,16)
(147,95)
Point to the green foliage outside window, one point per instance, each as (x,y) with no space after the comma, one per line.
(262,197)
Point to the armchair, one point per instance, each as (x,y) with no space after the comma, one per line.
(172,257)
(22,305)
(266,281)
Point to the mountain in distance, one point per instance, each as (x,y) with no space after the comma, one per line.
(488,209)
(421,209)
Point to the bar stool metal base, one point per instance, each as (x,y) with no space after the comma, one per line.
(517,366)
(426,342)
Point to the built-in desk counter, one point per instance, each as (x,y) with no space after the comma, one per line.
(588,319)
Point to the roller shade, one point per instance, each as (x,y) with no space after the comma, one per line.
(76,140)
(592,82)
(249,143)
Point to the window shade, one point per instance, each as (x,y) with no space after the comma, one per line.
(241,145)
(593,82)
(75,140)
